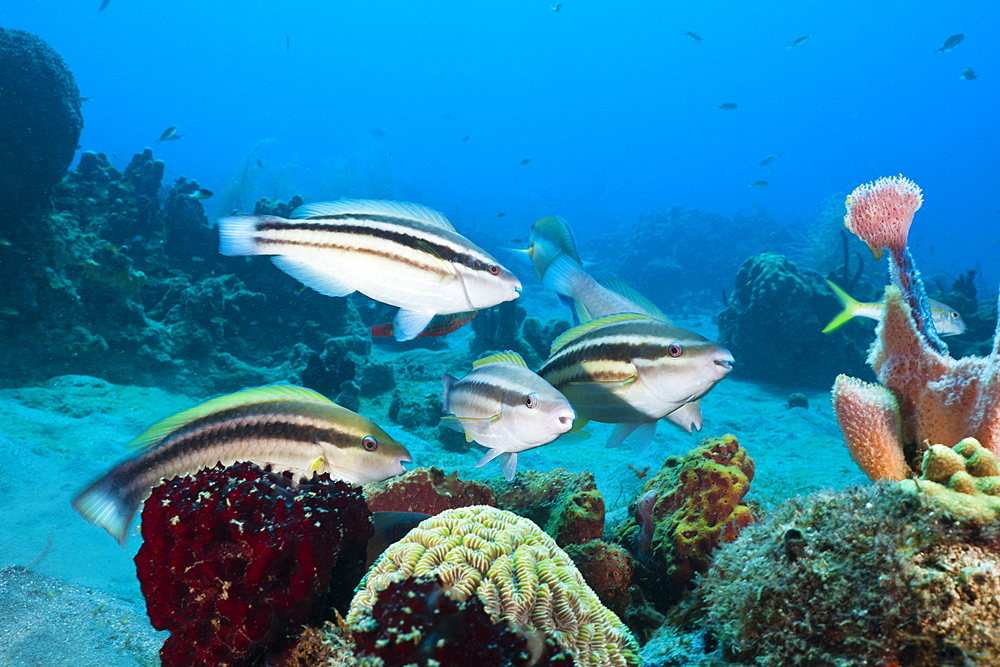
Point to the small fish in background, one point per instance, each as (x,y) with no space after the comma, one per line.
(505,407)
(768,160)
(465,138)
(378,132)
(631,370)
(390,527)
(951,43)
(288,43)
(690,35)
(525,161)
(402,254)
(8,312)
(439,326)
(259,163)
(281,427)
(968,74)
(104,5)
(556,7)
(86,99)
(199,194)
(799,42)
(169,134)
(501,214)
(758,184)
(947,320)
(728,106)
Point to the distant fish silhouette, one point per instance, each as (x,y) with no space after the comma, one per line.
(288,42)
(690,35)
(199,194)
(951,43)
(525,161)
(466,138)
(728,106)
(501,214)
(758,184)
(799,42)
(169,134)
(556,7)
(768,160)
(104,5)
(969,75)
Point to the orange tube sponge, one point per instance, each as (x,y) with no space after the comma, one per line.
(880,213)
(869,419)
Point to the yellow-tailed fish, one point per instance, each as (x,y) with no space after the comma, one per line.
(398,253)
(947,320)
(631,370)
(390,527)
(279,427)
(505,407)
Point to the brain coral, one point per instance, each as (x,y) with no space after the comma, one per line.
(40,121)
(963,480)
(516,570)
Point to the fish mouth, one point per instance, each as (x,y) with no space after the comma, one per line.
(724,361)
(565,421)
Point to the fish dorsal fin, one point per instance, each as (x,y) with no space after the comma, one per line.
(395,209)
(557,230)
(648,307)
(576,332)
(271,392)
(507,356)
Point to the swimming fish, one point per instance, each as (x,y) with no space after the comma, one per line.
(390,527)
(631,370)
(199,194)
(690,35)
(439,326)
(104,5)
(398,253)
(947,320)
(525,161)
(284,427)
(728,106)
(799,42)
(505,407)
(768,160)
(968,74)
(758,184)
(465,138)
(501,214)
(951,43)
(169,134)
(556,7)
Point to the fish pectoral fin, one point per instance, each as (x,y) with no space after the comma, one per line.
(489,456)
(314,275)
(639,433)
(508,463)
(408,324)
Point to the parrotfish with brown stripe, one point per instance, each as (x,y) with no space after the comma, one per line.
(402,254)
(279,427)
(439,326)
(505,407)
(631,370)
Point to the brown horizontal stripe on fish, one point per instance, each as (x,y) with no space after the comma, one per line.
(493,391)
(623,352)
(406,240)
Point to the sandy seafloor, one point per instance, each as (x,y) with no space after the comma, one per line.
(80,604)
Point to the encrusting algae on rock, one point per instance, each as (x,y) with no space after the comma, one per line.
(517,572)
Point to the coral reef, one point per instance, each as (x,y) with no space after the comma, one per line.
(607,569)
(685,512)
(235,558)
(962,480)
(416,622)
(427,490)
(875,576)
(516,571)
(776,300)
(868,416)
(40,125)
(564,504)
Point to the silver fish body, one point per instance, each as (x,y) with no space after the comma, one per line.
(402,254)
(280,427)
(507,408)
(633,369)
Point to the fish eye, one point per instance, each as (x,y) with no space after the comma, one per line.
(494,269)
(954,315)
(675,350)
(531,401)
(369,443)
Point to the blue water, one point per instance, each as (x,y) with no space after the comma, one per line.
(613,105)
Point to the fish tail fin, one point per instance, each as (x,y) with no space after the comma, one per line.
(101,506)
(850,309)
(449,381)
(236,234)
(563,276)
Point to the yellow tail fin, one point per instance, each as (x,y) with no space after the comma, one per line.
(844,316)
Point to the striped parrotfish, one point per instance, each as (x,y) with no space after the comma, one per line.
(631,369)
(947,320)
(401,254)
(280,427)
(505,407)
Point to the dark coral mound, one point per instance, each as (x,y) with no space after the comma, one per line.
(40,123)
(773,326)
(235,559)
(427,490)
(416,622)
(869,576)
